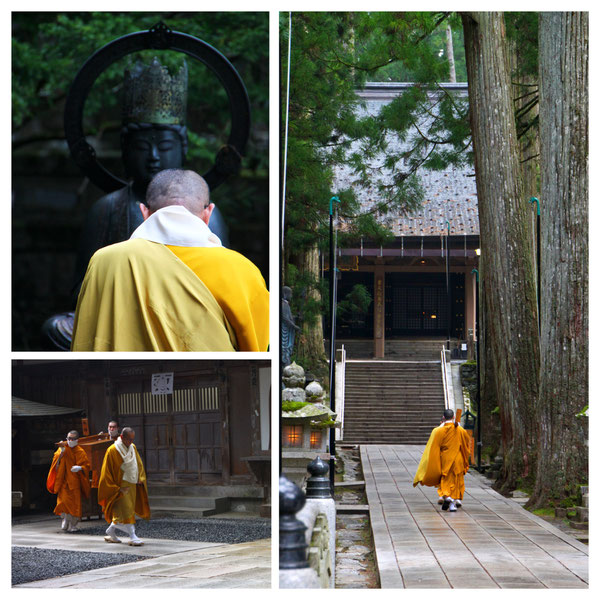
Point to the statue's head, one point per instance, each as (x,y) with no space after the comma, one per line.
(154,136)
(286,293)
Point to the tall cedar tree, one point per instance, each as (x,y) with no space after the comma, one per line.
(562,450)
(507,274)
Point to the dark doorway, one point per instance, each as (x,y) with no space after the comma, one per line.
(178,435)
(416,304)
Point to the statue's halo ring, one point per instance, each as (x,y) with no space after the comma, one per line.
(160,37)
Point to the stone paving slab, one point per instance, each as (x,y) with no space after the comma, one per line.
(246,565)
(48,535)
(170,564)
(491,542)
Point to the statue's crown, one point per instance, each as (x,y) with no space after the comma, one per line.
(151,95)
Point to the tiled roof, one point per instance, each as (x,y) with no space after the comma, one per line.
(28,408)
(449,195)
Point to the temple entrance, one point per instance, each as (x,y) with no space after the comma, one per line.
(416,305)
(178,435)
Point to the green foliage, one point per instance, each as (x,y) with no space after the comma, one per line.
(522,29)
(356,302)
(49,48)
(543,512)
(332,55)
(303,303)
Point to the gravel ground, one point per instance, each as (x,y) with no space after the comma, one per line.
(221,531)
(34,564)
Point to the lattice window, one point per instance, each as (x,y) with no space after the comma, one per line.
(130,403)
(315,440)
(292,436)
(208,398)
(155,403)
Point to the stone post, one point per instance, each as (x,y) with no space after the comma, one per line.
(318,492)
(294,571)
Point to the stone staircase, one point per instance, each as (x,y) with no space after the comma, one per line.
(196,501)
(186,501)
(392,402)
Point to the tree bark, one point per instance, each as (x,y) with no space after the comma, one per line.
(505,233)
(450,54)
(563,451)
(310,349)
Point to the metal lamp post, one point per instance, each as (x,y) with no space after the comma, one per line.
(448,299)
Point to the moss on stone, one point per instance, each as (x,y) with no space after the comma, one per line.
(292,406)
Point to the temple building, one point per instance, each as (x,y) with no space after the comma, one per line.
(423,284)
(202,427)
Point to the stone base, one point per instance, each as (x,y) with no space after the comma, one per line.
(298,579)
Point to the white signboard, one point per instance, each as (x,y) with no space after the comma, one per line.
(162,383)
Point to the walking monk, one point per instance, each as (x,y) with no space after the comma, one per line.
(69,478)
(445,461)
(122,491)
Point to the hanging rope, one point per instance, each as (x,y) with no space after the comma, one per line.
(285,143)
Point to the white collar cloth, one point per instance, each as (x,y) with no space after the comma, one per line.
(129,466)
(176,226)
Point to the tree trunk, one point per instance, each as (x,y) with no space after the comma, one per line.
(505,233)
(450,54)
(310,349)
(490,420)
(563,451)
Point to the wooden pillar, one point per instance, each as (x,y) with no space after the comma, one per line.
(379,312)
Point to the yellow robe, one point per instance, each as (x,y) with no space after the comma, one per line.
(109,489)
(127,303)
(67,485)
(239,289)
(445,461)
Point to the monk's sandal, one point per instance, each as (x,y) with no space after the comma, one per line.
(452,507)
(445,504)
(110,536)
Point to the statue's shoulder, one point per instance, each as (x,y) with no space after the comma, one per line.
(111,200)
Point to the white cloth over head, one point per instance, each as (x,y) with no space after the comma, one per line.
(176,226)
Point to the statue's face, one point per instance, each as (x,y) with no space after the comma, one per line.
(149,151)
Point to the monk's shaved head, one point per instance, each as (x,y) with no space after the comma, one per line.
(178,187)
(74,434)
(448,414)
(127,436)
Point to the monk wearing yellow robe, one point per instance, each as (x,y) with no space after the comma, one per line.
(445,462)
(122,490)
(172,286)
(69,479)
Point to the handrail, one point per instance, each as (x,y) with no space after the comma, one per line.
(340,393)
(443,362)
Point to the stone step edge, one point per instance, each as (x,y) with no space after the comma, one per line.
(352,508)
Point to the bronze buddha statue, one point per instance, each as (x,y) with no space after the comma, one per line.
(153,138)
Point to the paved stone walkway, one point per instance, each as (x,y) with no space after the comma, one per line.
(491,542)
(174,563)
